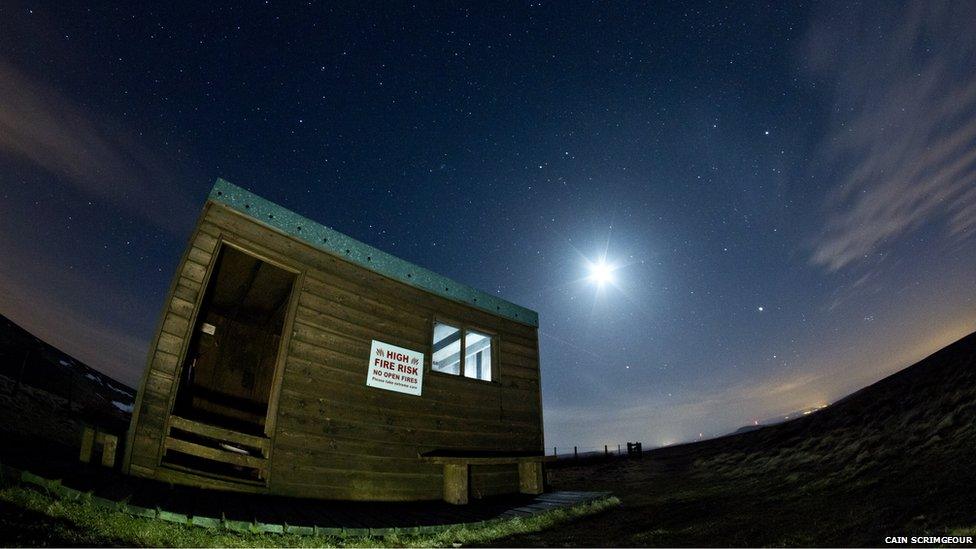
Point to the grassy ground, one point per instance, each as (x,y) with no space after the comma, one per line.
(895,459)
(31,518)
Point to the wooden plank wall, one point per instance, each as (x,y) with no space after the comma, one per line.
(334,437)
(159,381)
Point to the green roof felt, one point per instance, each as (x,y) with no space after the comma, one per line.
(364,255)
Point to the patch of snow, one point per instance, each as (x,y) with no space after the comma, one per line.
(94,378)
(127,408)
(117,390)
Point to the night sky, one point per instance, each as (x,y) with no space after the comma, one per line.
(786,193)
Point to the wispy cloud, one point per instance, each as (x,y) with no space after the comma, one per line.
(901,143)
(87,151)
(92,312)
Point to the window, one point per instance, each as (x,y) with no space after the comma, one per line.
(457,350)
(477,355)
(446,357)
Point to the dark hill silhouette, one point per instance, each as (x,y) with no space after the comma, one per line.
(895,458)
(57,393)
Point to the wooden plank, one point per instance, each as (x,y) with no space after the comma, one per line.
(456,483)
(222,456)
(511,359)
(286,473)
(530,477)
(170,344)
(379,327)
(368,460)
(375,430)
(171,474)
(87,443)
(176,325)
(190,284)
(355,492)
(328,323)
(181,307)
(526,374)
(188,293)
(219,433)
(326,470)
(520,346)
(347,388)
(323,446)
(351,347)
(207,228)
(356,393)
(110,445)
(483,460)
(417,416)
(164,363)
(145,450)
(199,255)
(489,480)
(382,435)
(155,406)
(328,286)
(194,271)
(159,383)
(204,241)
(140,471)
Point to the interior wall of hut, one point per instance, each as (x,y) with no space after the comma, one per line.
(229,368)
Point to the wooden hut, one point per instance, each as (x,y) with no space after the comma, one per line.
(292,359)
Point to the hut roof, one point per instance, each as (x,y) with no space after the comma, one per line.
(329,240)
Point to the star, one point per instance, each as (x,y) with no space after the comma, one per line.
(760,308)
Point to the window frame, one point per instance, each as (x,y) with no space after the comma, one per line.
(464,327)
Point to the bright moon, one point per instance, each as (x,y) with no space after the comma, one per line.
(601,273)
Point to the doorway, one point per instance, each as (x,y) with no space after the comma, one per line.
(218,422)
(229,368)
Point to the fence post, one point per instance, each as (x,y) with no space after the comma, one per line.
(605,451)
(575,453)
(554,452)
(618,449)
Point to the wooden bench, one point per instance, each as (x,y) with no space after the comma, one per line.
(457,470)
(91,436)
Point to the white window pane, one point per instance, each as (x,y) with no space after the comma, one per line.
(446,357)
(477,355)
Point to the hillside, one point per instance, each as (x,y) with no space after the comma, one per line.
(54,391)
(894,458)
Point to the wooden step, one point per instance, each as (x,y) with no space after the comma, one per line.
(219,433)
